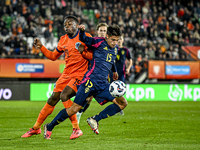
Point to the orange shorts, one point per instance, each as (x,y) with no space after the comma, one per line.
(62,82)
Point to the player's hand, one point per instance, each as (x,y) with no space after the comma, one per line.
(81,27)
(37,43)
(115,76)
(81,48)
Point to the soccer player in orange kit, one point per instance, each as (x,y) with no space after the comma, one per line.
(66,86)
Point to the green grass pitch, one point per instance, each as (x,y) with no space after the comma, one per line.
(145,126)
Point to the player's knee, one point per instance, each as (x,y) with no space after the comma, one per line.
(64,97)
(67,93)
(76,109)
(73,109)
(53,99)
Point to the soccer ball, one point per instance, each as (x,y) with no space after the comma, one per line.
(117,88)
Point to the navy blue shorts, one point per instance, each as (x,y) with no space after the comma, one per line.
(85,90)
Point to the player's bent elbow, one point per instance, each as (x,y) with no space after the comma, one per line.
(54,58)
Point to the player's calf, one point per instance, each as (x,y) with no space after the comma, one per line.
(121,102)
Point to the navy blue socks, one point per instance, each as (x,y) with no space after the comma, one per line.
(62,115)
(107,112)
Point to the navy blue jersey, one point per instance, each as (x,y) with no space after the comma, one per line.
(122,54)
(103,59)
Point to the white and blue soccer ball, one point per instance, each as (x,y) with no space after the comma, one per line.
(117,88)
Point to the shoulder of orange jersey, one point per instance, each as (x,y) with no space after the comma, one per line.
(63,38)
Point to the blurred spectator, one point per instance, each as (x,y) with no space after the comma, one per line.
(3,51)
(138,68)
(32,32)
(151,53)
(47,35)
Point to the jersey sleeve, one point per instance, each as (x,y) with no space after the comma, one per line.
(128,55)
(49,54)
(88,54)
(89,41)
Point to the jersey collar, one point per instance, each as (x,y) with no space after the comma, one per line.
(74,35)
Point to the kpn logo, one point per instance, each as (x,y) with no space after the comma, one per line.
(178,93)
(140,92)
(163,92)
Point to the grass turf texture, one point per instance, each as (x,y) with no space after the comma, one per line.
(145,125)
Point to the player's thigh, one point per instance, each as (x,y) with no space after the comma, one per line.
(104,96)
(69,86)
(82,94)
(73,109)
(67,93)
(64,81)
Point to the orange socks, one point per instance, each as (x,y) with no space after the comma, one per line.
(44,113)
(73,118)
(48,109)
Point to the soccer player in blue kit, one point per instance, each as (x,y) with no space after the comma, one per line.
(101,32)
(95,81)
(122,54)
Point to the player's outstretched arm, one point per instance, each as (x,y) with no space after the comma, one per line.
(89,41)
(128,56)
(49,54)
(129,66)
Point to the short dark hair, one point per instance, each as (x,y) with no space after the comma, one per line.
(114,30)
(101,25)
(71,17)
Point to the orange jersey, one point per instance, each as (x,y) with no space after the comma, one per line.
(75,63)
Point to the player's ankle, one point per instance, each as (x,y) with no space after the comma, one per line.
(35,128)
(76,126)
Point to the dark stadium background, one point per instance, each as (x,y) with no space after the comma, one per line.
(159,34)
